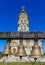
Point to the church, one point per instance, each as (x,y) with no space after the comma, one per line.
(23,26)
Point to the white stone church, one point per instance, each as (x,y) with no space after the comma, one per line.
(23,26)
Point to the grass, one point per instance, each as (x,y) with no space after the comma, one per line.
(20,63)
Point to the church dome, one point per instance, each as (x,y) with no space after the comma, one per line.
(23,12)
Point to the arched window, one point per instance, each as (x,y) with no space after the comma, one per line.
(24,21)
(24,27)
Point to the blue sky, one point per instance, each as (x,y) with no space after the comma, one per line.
(9,10)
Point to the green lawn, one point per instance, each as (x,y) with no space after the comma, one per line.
(20,63)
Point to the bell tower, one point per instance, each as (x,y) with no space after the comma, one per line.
(23,24)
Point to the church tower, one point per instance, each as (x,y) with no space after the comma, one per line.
(23,23)
(23,26)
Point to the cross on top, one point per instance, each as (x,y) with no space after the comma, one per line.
(23,7)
